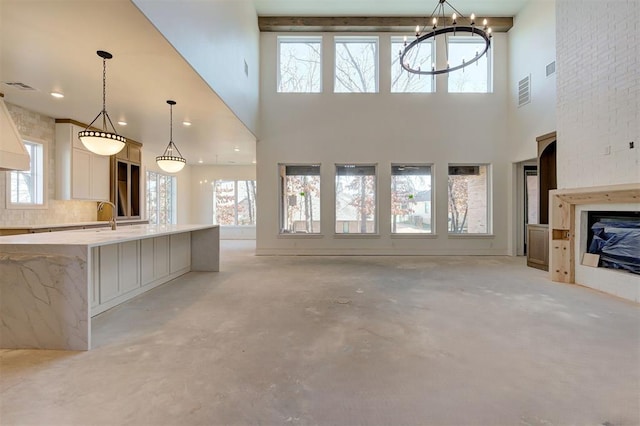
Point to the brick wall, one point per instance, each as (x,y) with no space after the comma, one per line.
(598,77)
(40,128)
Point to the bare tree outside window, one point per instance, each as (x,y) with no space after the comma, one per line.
(300,68)
(27,187)
(473,78)
(300,198)
(160,198)
(419,57)
(234,202)
(411,199)
(356,65)
(355,199)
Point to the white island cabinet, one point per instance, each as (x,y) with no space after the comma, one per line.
(52,284)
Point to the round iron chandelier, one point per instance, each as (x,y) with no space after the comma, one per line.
(456,24)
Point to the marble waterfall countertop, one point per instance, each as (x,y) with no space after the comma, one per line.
(99,236)
(123,222)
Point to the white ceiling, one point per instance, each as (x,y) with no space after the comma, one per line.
(51,45)
(383,7)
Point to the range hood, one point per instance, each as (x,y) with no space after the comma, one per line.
(13,154)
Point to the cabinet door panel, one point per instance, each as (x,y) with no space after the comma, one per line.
(81,175)
(146,261)
(100,177)
(108,272)
(161,256)
(180,251)
(129,275)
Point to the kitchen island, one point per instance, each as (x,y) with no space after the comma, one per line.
(51,284)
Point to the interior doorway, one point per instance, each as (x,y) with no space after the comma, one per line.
(531,200)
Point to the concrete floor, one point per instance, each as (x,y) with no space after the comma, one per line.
(343,341)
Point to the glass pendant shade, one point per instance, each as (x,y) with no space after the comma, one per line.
(102,142)
(171,161)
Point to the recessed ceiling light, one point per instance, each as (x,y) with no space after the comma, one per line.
(200,161)
(186,123)
(253,162)
(236,149)
(57,95)
(122,123)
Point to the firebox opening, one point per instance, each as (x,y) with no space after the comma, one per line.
(615,237)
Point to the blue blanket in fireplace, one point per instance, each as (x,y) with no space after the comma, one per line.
(618,244)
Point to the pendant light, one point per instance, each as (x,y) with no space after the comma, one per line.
(169,162)
(102,142)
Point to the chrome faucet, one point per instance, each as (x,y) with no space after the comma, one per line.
(112,221)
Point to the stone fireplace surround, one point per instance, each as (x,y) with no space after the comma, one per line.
(567,237)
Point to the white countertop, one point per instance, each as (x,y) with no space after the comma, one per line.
(100,236)
(70,225)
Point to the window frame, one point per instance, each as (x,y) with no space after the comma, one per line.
(489,55)
(298,39)
(376,219)
(358,39)
(43,183)
(174,194)
(394,55)
(281,216)
(235,202)
(489,198)
(432,232)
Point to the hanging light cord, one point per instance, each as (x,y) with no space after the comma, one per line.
(104,113)
(171,147)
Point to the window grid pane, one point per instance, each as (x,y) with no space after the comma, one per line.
(356,62)
(473,78)
(234,202)
(299,69)
(468,199)
(420,57)
(411,199)
(355,199)
(160,198)
(27,187)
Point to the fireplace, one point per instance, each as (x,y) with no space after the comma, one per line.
(613,237)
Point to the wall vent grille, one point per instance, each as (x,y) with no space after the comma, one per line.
(551,68)
(524,91)
(19,86)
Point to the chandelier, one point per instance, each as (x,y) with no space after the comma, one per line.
(102,142)
(456,24)
(169,162)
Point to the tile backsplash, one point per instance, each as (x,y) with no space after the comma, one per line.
(40,128)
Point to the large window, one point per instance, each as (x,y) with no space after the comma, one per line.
(411,199)
(161,198)
(474,78)
(356,66)
(299,64)
(419,57)
(355,199)
(234,202)
(26,188)
(300,198)
(469,199)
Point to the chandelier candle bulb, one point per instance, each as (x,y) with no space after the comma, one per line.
(466,25)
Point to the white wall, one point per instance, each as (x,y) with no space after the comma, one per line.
(215,37)
(202,200)
(598,92)
(381,128)
(183,183)
(532,45)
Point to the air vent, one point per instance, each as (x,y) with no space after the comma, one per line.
(524,91)
(551,68)
(19,86)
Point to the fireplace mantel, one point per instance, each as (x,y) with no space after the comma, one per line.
(562,227)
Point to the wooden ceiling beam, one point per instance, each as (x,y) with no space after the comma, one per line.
(360,24)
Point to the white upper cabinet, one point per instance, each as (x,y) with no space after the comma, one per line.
(80,174)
